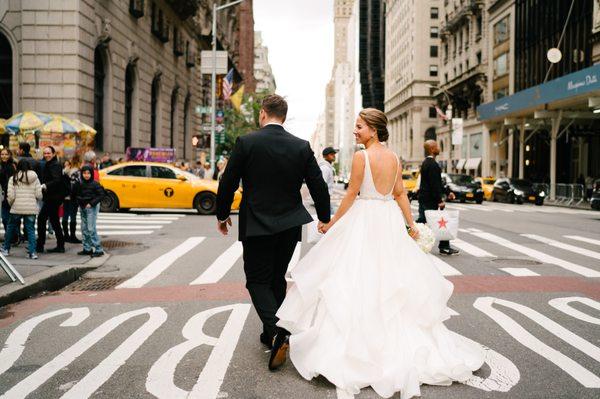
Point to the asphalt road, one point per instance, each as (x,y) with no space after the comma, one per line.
(179,323)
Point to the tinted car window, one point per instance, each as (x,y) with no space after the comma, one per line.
(461,179)
(134,171)
(161,172)
(522,183)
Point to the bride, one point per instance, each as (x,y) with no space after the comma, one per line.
(368,306)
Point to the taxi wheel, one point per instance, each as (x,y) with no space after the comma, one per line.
(205,203)
(110,203)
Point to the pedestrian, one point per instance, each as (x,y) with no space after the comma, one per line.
(89,158)
(207,171)
(198,170)
(221,165)
(327,168)
(431,190)
(72,175)
(24,152)
(53,188)
(89,193)
(106,161)
(7,170)
(24,192)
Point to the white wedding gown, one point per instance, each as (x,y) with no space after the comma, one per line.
(367,307)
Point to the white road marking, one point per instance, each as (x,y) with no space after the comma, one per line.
(15,343)
(44,373)
(542,257)
(503,373)
(124,226)
(125,233)
(519,271)
(161,264)
(221,265)
(343,394)
(453,312)
(103,371)
(562,245)
(584,239)
(443,267)
(161,377)
(132,222)
(562,304)
(295,257)
(471,249)
(574,369)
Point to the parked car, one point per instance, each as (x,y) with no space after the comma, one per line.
(487,185)
(517,191)
(464,187)
(410,183)
(595,199)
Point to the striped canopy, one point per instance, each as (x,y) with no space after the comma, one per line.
(26,121)
(59,124)
(83,128)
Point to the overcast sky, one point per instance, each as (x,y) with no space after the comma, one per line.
(299,35)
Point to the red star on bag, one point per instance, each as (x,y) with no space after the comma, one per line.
(442,223)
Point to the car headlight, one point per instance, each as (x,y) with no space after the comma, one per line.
(518,192)
(542,194)
(479,190)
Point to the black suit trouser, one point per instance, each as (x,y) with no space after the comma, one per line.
(49,211)
(425,206)
(266,260)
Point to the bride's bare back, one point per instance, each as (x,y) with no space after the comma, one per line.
(384,169)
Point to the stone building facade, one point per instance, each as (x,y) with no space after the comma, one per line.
(130,68)
(263,73)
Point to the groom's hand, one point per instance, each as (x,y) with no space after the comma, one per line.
(223,226)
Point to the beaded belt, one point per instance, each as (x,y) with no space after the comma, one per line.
(362,197)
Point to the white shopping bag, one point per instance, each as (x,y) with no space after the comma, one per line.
(444,224)
(312,234)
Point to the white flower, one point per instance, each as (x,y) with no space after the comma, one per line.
(426,238)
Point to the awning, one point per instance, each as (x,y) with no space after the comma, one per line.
(460,164)
(472,163)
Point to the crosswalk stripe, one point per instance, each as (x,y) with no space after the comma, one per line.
(221,265)
(125,233)
(562,245)
(160,264)
(584,239)
(132,222)
(542,257)
(519,271)
(471,249)
(443,267)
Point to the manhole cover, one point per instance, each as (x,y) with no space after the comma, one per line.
(516,261)
(112,244)
(94,284)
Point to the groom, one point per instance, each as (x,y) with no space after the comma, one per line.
(272,165)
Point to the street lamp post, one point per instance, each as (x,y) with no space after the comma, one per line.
(214,79)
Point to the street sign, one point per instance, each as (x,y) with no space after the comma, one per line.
(206,62)
(202,110)
(219,128)
(457,131)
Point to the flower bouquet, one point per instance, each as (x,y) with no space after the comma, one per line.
(426,238)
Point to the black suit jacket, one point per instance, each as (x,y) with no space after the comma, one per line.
(52,177)
(431,188)
(272,165)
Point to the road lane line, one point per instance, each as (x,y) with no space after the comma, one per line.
(514,329)
(562,304)
(443,267)
(584,239)
(542,257)
(221,265)
(519,271)
(561,245)
(161,264)
(471,249)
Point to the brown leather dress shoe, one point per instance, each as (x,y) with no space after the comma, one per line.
(281,345)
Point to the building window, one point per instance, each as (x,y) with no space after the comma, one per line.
(186,122)
(501,33)
(154,110)
(129,86)
(136,8)
(478,57)
(503,92)
(479,28)
(190,55)
(6,78)
(433,70)
(178,44)
(173,118)
(99,80)
(434,32)
(432,112)
(501,65)
(433,51)
(435,13)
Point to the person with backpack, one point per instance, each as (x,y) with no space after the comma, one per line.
(89,193)
(23,193)
(71,175)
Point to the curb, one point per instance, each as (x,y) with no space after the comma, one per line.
(51,279)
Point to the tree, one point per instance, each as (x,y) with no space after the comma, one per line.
(240,122)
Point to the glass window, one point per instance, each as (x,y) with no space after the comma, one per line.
(131,170)
(433,70)
(501,65)
(435,13)
(434,32)
(433,51)
(160,172)
(432,113)
(501,33)
(503,92)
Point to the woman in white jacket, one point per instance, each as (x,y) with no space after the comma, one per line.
(24,192)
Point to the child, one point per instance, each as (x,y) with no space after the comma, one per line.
(89,193)
(23,193)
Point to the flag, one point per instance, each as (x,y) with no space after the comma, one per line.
(236,99)
(228,85)
(440,113)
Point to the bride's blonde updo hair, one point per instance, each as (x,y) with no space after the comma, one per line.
(376,120)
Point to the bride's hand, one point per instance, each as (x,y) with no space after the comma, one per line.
(326,227)
(413,232)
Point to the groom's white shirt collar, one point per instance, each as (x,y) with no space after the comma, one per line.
(273,123)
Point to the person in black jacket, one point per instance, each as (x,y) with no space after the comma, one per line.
(24,153)
(272,165)
(7,170)
(89,194)
(54,190)
(431,190)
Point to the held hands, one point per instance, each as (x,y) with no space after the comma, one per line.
(324,227)
(442,205)
(223,226)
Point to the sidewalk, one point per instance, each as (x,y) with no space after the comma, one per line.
(584,205)
(49,272)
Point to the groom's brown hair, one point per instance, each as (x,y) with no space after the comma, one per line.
(275,106)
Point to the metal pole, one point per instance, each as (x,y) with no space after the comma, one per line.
(213,89)
(522,150)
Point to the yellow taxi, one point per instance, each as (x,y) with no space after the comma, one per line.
(158,185)
(409,180)
(487,185)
